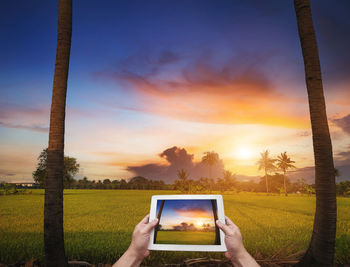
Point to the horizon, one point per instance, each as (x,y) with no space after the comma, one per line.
(152,88)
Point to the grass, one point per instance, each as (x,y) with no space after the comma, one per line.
(98,224)
(185,237)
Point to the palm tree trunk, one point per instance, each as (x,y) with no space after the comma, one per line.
(284,182)
(217,231)
(53,207)
(267,185)
(158,217)
(321,248)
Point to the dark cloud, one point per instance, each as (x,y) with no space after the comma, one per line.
(177,159)
(343,123)
(342,157)
(152,171)
(143,63)
(240,76)
(234,90)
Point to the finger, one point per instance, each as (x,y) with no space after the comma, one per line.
(229,222)
(223,227)
(228,255)
(146,254)
(145,220)
(151,225)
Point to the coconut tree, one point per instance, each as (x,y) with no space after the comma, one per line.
(321,249)
(284,163)
(267,164)
(210,159)
(229,180)
(53,207)
(183,183)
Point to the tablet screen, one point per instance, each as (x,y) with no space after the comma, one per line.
(187,222)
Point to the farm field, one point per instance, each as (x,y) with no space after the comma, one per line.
(186,237)
(98,224)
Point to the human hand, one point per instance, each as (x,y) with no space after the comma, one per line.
(138,249)
(141,236)
(234,244)
(233,238)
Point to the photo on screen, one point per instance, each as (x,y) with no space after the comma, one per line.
(187,222)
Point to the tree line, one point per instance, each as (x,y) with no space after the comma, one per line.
(227,184)
(269,183)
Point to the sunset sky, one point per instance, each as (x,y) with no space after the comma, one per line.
(155,84)
(196,212)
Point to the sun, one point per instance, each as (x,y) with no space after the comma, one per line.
(243,153)
(199,223)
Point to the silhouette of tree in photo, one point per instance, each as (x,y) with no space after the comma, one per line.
(183,182)
(210,159)
(284,163)
(267,164)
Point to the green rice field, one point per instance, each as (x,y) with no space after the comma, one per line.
(99,223)
(185,237)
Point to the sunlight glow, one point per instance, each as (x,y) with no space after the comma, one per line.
(199,223)
(244,153)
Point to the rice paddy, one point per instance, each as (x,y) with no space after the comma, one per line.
(98,224)
(186,237)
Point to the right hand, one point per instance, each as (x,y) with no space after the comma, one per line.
(233,239)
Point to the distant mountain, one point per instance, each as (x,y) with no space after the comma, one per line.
(247,178)
(344,173)
(308,173)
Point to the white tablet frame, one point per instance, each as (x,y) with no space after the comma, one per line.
(177,247)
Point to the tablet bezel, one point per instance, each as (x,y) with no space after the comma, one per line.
(177,247)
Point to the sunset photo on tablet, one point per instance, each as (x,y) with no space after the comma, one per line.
(189,221)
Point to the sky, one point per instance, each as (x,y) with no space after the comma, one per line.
(153,85)
(196,212)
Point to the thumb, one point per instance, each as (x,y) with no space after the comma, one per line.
(223,227)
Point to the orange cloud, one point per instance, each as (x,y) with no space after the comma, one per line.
(194,212)
(205,93)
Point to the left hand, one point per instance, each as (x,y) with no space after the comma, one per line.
(141,237)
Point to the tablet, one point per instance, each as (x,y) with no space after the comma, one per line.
(187,223)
